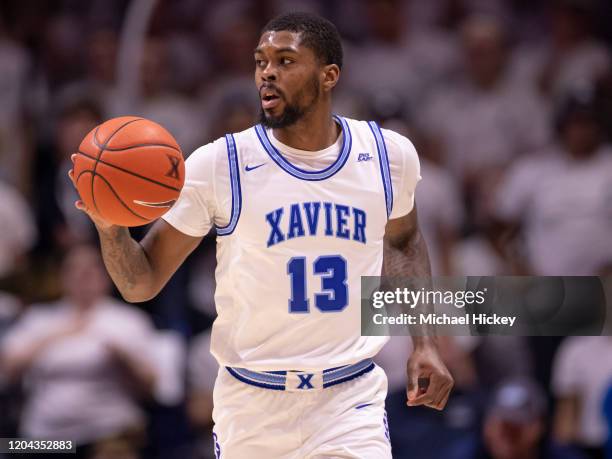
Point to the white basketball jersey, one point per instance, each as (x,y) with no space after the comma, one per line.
(292,252)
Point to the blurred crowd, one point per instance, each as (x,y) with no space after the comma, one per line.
(509,104)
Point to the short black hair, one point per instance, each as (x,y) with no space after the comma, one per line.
(317,33)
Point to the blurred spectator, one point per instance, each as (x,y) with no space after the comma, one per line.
(482,105)
(572,54)
(17,230)
(84,360)
(604,96)
(517,361)
(582,373)
(425,433)
(61,223)
(98,81)
(233,33)
(397,65)
(441,211)
(485,120)
(228,93)
(202,283)
(233,107)
(9,398)
(475,365)
(486,250)
(561,198)
(439,200)
(607,411)
(157,100)
(14,68)
(62,51)
(202,373)
(9,310)
(515,425)
(481,254)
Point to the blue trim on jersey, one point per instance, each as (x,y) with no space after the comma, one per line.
(350,377)
(302,174)
(384,165)
(232,157)
(277,380)
(347,373)
(269,378)
(239,377)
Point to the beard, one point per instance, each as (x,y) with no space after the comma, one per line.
(293,111)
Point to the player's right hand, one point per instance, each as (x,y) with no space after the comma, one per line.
(79,204)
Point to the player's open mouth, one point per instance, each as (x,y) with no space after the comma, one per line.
(269,99)
(270,102)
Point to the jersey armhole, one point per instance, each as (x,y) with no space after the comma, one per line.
(234,174)
(385,170)
(214,189)
(402,180)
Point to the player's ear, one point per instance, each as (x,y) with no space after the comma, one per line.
(331,74)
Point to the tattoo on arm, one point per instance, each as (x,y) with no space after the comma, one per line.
(406,265)
(407,257)
(126,261)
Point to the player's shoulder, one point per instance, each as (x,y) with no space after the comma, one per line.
(248,133)
(208,151)
(396,143)
(220,145)
(399,144)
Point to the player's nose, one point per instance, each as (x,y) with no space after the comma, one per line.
(269,73)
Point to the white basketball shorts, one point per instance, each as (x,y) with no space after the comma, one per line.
(304,421)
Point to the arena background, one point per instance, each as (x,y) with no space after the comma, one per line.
(509,103)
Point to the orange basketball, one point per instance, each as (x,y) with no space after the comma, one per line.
(129,170)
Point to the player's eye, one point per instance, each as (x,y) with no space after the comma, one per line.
(286,61)
(260,63)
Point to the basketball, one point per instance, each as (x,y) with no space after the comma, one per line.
(129,170)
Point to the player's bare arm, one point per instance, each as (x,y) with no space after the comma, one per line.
(141,269)
(429,382)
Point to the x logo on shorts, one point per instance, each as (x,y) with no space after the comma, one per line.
(305,381)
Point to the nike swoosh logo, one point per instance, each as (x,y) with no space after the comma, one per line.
(155,204)
(250,168)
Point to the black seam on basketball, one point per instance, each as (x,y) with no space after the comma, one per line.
(129,172)
(83,172)
(95,139)
(99,144)
(102,147)
(119,198)
(93,175)
(144,145)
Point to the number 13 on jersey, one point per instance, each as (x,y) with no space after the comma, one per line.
(334,290)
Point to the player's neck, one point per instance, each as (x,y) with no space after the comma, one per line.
(314,132)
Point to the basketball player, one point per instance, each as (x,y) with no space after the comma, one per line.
(304,204)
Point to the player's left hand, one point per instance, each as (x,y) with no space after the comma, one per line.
(429,381)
